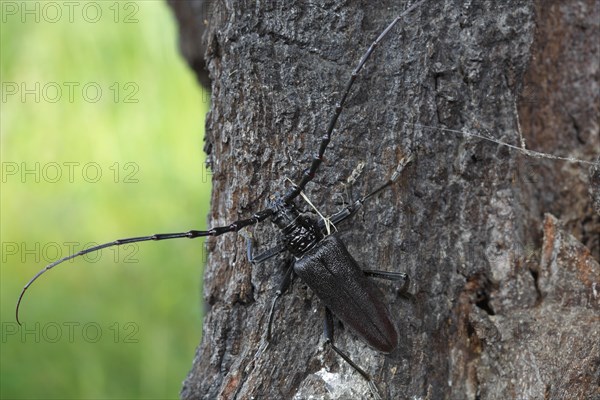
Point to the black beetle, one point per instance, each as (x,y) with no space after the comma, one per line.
(320,259)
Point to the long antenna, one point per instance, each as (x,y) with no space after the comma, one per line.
(216,231)
(310,173)
(118,242)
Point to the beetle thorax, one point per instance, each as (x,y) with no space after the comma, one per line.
(300,231)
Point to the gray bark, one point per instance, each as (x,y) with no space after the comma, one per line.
(504,297)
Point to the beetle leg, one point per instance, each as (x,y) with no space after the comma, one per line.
(283,287)
(287,278)
(328,330)
(390,276)
(265,255)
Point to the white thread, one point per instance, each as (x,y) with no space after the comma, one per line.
(326,220)
(531,153)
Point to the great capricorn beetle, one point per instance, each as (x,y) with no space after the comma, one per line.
(320,258)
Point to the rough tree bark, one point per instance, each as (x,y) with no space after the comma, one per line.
(504,297)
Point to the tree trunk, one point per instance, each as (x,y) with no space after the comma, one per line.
(503,300)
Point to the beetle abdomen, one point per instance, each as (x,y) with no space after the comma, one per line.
(335,277)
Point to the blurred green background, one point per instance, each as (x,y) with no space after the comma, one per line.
(82,95)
